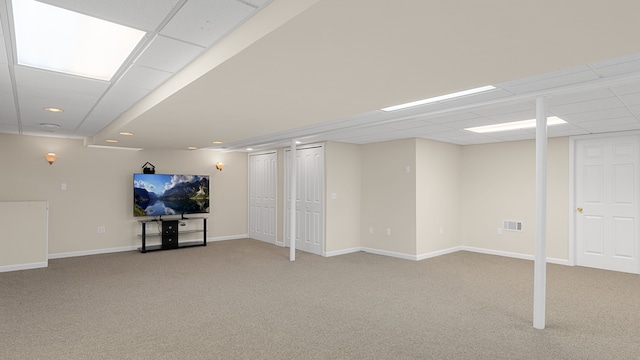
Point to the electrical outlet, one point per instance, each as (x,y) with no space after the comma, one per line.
(371,230)
(388,231)
(499,231)
(102,229)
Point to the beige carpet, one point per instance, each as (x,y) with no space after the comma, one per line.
(243,299)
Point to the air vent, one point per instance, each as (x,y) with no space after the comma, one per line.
(512,225)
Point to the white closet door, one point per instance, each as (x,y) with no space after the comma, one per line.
(309,199)
(262,196)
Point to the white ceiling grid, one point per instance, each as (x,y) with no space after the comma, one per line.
(178,31)
(599,97)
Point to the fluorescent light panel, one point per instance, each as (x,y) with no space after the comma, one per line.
(52,38)
(516,125)
(439,98)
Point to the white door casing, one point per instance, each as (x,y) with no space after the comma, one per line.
(309,199)
(607,202)
(263,183)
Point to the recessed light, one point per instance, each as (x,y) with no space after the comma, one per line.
(49,126)
(249,149)
(126,133)
(111,141)
(298,142)
(54,110)
(439,98)
(192,148)
(515,125)
(217,142)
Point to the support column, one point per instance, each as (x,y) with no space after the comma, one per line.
(292,203)
(540,265)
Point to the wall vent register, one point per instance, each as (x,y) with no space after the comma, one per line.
(512,225)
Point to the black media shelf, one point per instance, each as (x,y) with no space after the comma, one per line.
(170,234)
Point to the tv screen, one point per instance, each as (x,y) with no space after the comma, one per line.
(170,194)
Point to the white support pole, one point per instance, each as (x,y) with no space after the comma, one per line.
(292,204)
(540,265)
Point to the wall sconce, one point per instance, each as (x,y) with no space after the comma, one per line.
(219,166)
(51,158)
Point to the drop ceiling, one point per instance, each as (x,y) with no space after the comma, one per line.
(259,73)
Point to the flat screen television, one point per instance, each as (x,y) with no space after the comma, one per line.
(170,194)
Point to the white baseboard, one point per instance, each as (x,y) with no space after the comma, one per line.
(228,237)
(133,247)
(390,253)
(36,265)
(438,253)
(512,255)
(91,252)
(443,252)
(342,252)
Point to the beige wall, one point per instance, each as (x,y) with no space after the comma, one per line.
(99,188)
(498,182)
(475,186)
(343,177)
(389,196)
(24,235)
(438,184)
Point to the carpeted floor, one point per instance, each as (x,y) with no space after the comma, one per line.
(243,299)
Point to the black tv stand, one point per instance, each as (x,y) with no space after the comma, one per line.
(170,234)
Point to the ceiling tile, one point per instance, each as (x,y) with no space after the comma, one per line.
(143,77)
(52,82)
(9,129)
(370,117)
(565,130)
(619,66)
(598,115)
(627,89)
(114,103)
(3,52)
(631,99)
(407,124)
(586,106)
(140,14)
(88,129)
(32,113)
(430,130)
(552,83)
(617,121)
(635,110)
(203,22)
(477,98)
(505,109)
(168,54)
(604,127)
(443,119)
(8,113)
(5,78)
(576,97)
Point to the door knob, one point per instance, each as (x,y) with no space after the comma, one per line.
(579,209)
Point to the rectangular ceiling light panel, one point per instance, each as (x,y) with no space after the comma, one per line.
(439,98)
(52,38)
(516,125)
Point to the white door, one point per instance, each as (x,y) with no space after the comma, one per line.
(309,199)
(262,196)
(606,193)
